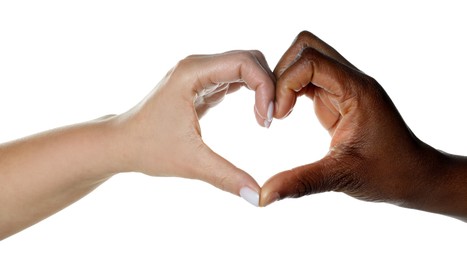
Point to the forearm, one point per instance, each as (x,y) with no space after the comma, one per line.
(42,174)
(452,192)
(445,191)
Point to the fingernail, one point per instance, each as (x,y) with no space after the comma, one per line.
(270,112)
(273,198)
(250,195)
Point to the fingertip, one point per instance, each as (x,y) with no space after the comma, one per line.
(270,110)
(250,195)
(249,189)
(266,119)
(269,115)
(267,198)
(269,191)
(264,101)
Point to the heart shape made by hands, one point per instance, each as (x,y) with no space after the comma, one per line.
(263,152)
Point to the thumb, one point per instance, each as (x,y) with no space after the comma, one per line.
(214,169)
(321,176)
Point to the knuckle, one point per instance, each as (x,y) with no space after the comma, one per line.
(306,38)
(181,70)
(177,70)
(257,53)
(303,34)
(190,60)
(309,52)
(309,55)
(246,61)
(184,63)
(192,57)
(247,56)
(221,181)
(372,82)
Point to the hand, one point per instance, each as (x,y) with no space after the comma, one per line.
(43,173)
(373,155)
(162,135)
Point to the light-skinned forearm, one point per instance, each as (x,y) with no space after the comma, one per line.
(42,174)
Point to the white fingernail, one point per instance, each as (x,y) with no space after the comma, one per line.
(250,195)
(270,111)
(268,120)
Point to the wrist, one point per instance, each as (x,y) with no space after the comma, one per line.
(442,185)
(112,143)
(125,144)
(452,187)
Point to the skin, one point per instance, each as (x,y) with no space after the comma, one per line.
(160,136)
(373,155)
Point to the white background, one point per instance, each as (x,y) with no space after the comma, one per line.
(67,62)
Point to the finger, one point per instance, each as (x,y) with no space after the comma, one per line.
(202,71)
(313,69)
(264,97)
(304,40)
(321,176)
(214,169)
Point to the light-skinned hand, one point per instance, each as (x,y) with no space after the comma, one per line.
(160,136)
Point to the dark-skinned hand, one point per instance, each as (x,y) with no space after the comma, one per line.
(373,155)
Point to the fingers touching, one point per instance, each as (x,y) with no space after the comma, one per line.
(313,68)
(199,82)
(302,69)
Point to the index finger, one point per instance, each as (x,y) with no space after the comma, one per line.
(248,67)
(304,40)
(314,69)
